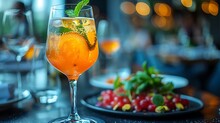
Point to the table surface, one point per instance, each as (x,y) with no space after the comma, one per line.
(28,111)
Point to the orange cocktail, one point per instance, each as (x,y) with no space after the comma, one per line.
(110,46)
(72,46)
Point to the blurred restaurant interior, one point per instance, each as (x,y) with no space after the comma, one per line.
(178,37)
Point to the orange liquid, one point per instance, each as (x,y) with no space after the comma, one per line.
(30,53)
(110,46)
(69,52)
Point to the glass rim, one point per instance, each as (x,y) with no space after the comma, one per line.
(59,6)
(16,11)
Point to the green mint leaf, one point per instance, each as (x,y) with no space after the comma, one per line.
(141,75)
(144,66)
(167,88)
(152,70)
(127,85)
(60,30)
(158,100)
(81,30)
(117,83)
(141,88)
(70,13)
(79,6)
(157,79)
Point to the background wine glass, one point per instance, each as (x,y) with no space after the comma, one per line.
(108,36)
(17,35)
(72,48)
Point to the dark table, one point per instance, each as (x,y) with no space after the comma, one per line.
(29,112)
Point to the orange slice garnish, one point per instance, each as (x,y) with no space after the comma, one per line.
(92,40)
(74,42)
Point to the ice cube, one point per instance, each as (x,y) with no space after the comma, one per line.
(57,23)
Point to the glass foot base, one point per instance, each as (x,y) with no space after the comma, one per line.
(66,120)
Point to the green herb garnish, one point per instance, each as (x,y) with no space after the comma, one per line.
(117,82)
(60,30)
(158,100)
(79,6)
(81,30)
(146,81)
(78,28)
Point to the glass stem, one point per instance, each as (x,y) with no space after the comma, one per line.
(18,59)
(73,116)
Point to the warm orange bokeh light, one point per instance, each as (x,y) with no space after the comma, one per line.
(127,8)
(205,7)
(142,8)
(162,9)
(213,8)
(187,3)
(210,7)
(162,22)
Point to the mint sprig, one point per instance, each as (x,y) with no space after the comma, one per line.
(60,30)
(146,81)
(79,6)
(80,28)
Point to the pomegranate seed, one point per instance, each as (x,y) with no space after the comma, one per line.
(151,108)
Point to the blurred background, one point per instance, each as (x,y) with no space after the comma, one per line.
(178,37)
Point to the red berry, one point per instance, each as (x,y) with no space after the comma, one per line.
(144,104)
(110,92)
(185,102)
(148,98)
(151,108)
(126,100)
(137,108)
(113,103)
(176,99)
(136,102)
(170,105)
(117,98)
(140,97)
(106,102)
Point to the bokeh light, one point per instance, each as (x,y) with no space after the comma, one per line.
(127,8)
(162,22)
(162,9)
(205,7)
(142,8)
(187,3)
(210,7)
(213,8)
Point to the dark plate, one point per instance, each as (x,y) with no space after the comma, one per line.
(5,103)
(195,105)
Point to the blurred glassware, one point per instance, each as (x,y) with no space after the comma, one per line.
(10,95)
(45,82)
(108,37)
(41,11)
(7,85)
(17,34)
(109,40)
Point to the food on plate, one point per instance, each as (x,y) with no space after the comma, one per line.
(143,91)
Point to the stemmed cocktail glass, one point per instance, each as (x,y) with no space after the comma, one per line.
(72,48)
(108,36)
(18,35)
